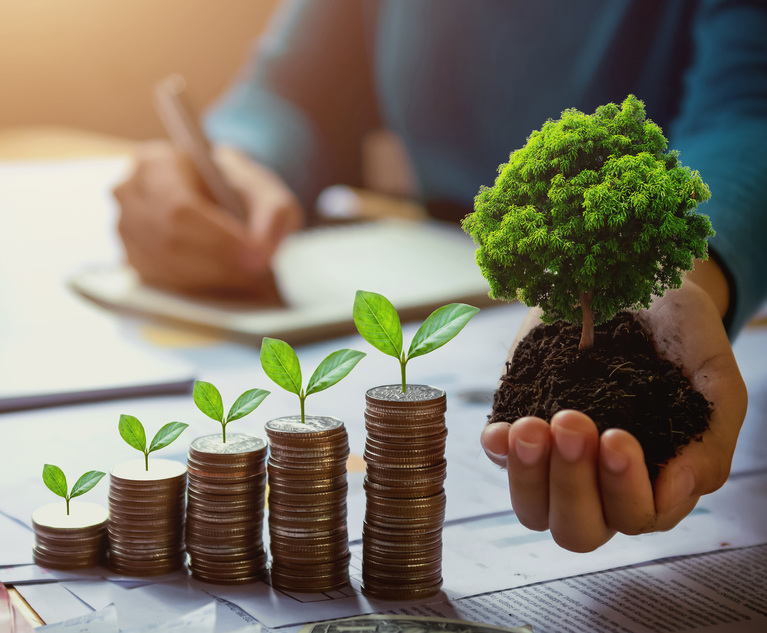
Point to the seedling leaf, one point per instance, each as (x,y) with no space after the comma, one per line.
(208,400)
(378,322)
(281,364)
(86,482)
(166,435)
(132,431)
(440,326)
(332,369)
(54,479)
(246,403)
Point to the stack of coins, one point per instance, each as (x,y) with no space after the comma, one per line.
(307,504)
(225,509)
(404,488)
(146,517)
(70,541)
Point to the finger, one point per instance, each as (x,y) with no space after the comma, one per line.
(273,217)
(700,468)
(576,519)
(198,250)
(495,442)
(627,494)
(529,442)
(274,211)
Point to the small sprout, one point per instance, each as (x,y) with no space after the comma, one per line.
(281,365)
(132,431)
(378,323)
(54,478)
(208,400)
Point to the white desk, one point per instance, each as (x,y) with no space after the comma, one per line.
(491,553)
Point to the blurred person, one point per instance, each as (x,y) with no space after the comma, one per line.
(462,84)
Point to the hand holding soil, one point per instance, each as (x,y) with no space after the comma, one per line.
(584,486)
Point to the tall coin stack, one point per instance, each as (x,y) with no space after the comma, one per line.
(70,541)
(146,517)
(307,504)
(404,488)
(225,509)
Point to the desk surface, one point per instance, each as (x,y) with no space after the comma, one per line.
(84,437)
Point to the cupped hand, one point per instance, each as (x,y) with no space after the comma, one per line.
(177,237)
(584,487)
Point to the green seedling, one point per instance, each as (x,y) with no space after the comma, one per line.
(281,364)
(132,431)
(208,400)
(56,481)
(379,324)
(590,217)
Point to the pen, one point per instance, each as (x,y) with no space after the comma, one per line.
(180,122)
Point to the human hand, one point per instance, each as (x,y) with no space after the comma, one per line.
(176,237)
(585,487)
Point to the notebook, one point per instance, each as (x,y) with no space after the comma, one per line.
(418,266)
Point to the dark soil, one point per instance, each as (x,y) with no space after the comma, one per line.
(621,382)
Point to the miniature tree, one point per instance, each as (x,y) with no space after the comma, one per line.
(590,217)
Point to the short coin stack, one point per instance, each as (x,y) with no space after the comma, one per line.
(70,541)
(225,509)
(146,517)
(404,487)
(307,504)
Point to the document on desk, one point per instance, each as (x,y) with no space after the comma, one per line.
(721,592)
(419,266)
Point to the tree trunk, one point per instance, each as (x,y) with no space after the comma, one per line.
(587,334)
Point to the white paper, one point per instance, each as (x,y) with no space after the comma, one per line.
(102,621)
(16,542)
(200,620)
(52,602)
(160,604)
(32,574)
(499,553)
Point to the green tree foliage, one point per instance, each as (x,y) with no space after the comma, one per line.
(590,217)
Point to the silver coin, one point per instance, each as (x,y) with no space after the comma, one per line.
(235,443)
(413,393)
(313,424)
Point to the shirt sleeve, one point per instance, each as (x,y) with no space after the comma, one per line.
(304,101)
(721,131)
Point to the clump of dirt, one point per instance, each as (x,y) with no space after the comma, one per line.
(621,382)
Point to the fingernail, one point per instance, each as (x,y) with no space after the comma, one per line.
(569,444)
(615,461)
(682,486)
(528,452)
(494,441)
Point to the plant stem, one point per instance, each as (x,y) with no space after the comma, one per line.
(223,429)
(301,397)
(67,500)
(402,363)
(587,333)
(146,460)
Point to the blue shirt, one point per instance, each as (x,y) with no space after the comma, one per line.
(464,82)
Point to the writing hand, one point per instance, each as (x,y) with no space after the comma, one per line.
(176,237)
(584,487)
